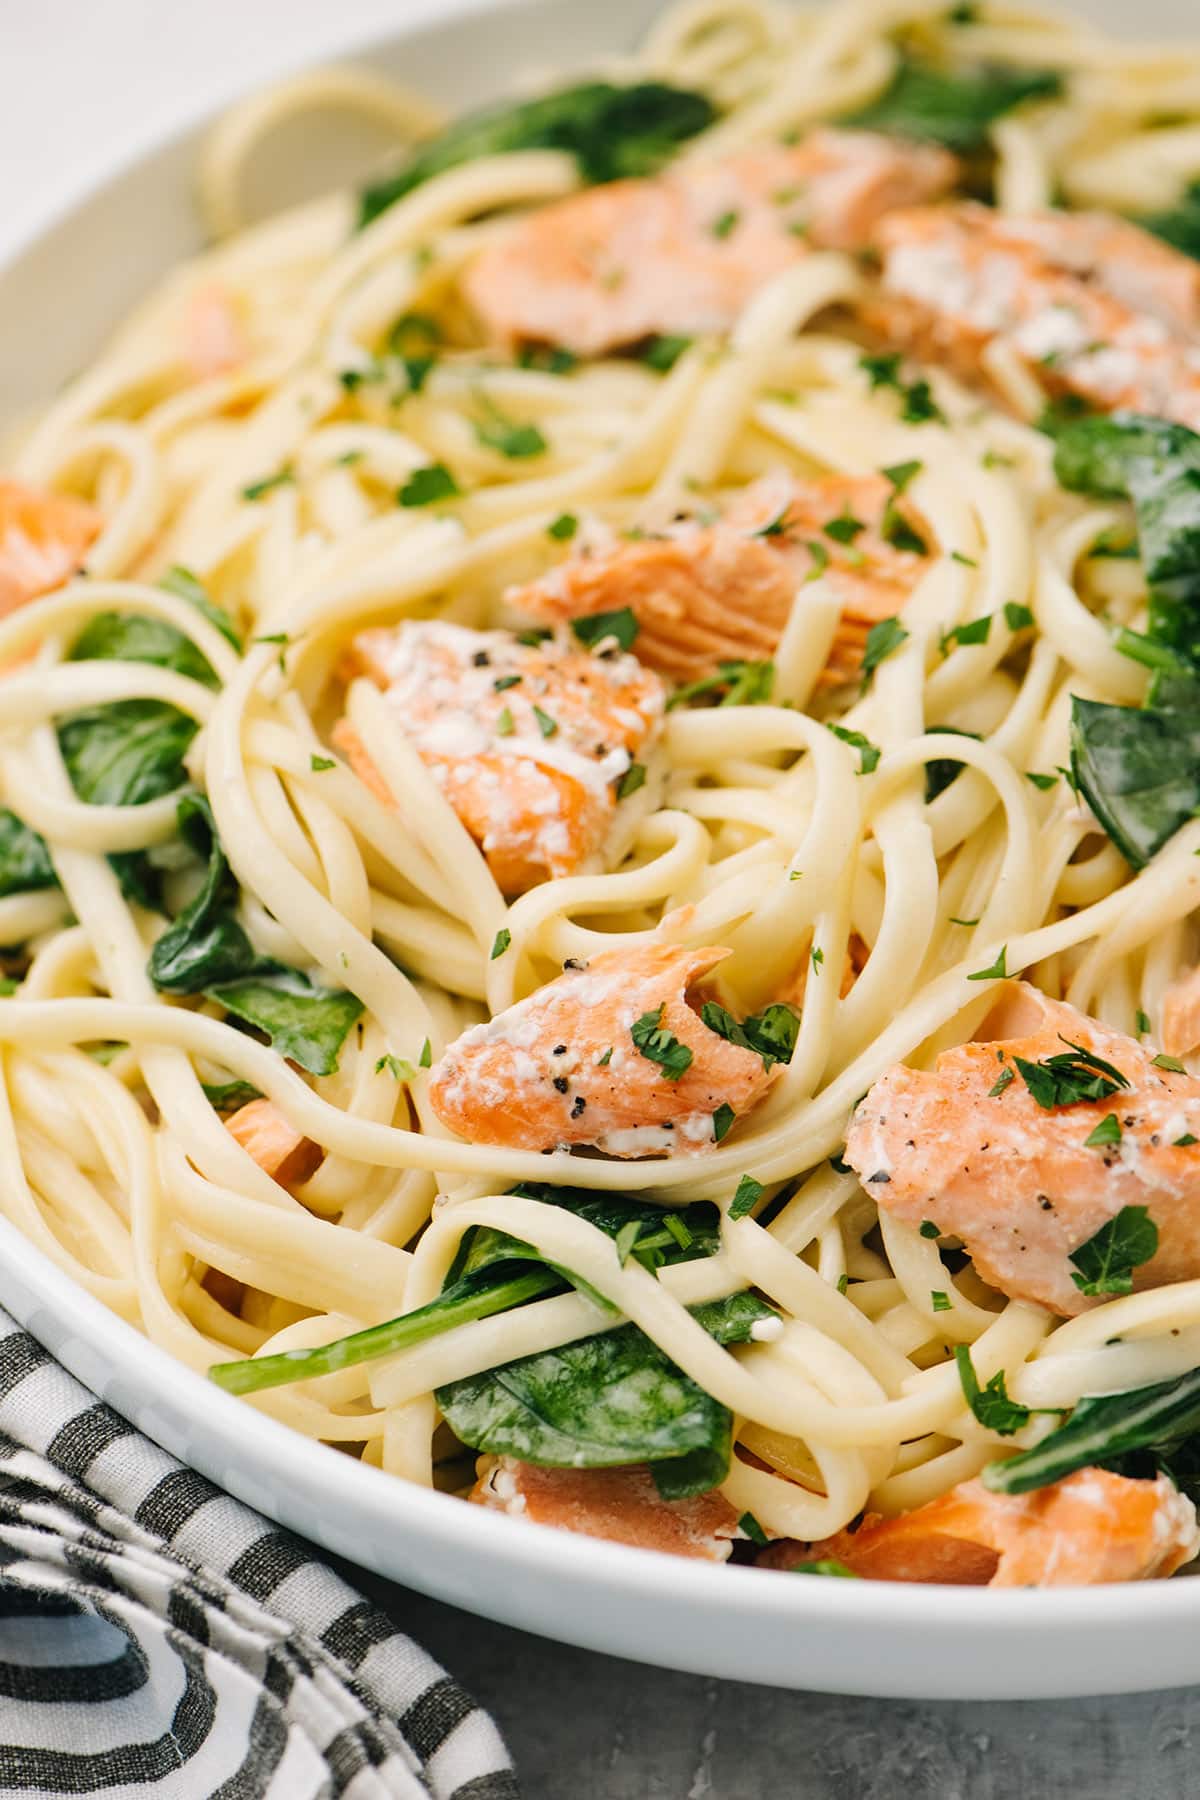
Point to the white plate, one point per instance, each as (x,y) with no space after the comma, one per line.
(839,1636)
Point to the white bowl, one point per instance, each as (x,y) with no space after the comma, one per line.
(854,1637)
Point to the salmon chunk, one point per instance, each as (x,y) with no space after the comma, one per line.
(704,594)
(43,540)
(1094,1527)
(528,742)
(214,335)
(286,1155)
(1181,1015)
(968,1146)
(614,1053)
(684,252)
(622,1505)
(1092,306)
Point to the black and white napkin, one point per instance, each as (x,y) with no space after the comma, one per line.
(158,1638)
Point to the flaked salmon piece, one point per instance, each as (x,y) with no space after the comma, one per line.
(43,540)
(1091,1528)
(1181,1015)
(704,594)
(565,1067)
(528,742)
(213,332)
(1017,1182)
(285,1154)
(684,252)
(1090,305)
(622,1505)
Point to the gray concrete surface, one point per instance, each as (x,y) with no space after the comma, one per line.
(588,1727)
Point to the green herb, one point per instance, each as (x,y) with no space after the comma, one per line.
(123,754)
(734,684)
(25,864)
(1016,616)
(882,370)
(816,550)
(228,1096)
(319,764)
(545,724)
(502,683)
(1105,1264)
(953,108)
(929,1230)
(611,131)
(998,970)
(1004,1079)
(633,779)
(920,407)
(425,1060)
(991,1404)
(1124,1432)
(1044,782)
(727,222)
(968,922)
(500,943)
(186,586)
(722,1120)
(771,1033)
(563,528)
(509,438)
(257,489)
(427,485)
(596,628)
(1179,224)
(205,944)
(940,1301)
(975,631)
(663,352)
(883,639)
(504,723)
(1142,1020)
(602,1062)
(1171,1063)
(660,1046)
(550,359)
(844,529)
(749,1193)
(1108,1131)
(901,474)
(869,753)
(825,1565)
(1070,1078)
(942,770)
(1182,1143)
(818,957)
(750,1526)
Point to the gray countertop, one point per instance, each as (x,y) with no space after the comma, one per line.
(588,1727)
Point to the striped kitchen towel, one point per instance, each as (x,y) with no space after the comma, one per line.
(158,1638)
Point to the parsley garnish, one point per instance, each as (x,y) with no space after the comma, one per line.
(626,1238)
(502,683)
(633,779)
(660,1046)
(1142,1020)
(722,1119)
(545,724)
(727,222)
(549,359)
(882,640)
(771,1034)
(998,970)
(424,486)
(975,631)
(664,351)
(968,562)
(990,1405)
(318,764)
(827,1565)
(1182,1143)
(777,526)
(562,528)
(940,1301)
(919,405)
(500,943)
(749,1193)
(1070,1078)
(594,628)
(1107,1261)
(257,489)
(900,474)
(820,556)
(1016,616)
(844,529)
(1041,781)
(509,438)
(869,753)
(425,1060)
(1108,1131)
(753,1530)
(1004,1079)
(929,1230)
(1171,1063)
(744,684)
(504,723)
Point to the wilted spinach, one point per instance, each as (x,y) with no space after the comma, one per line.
(952,107)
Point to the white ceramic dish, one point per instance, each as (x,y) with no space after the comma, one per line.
(845,1637)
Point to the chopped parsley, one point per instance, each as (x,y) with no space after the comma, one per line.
(727,222)
(424,486)
(844,529)
(722,1120)
(1041,781)
(826,1565)
(545,724)
(318,764)
(1016,616)
(563,528)
(281,477)
(991,1404)
(749,1193)
(597,628)
(1172,1064)
(734,684)
(1105,1264)
(1004,1079)
(1108,1131)
(1142,1020)
(771,1034)
(940,1301)
(869,753)
(820,556)
(975,631)
(633,779)
(883,639)
(929,1230)
(502,683)
(1070,1078)
(968,562)
(750,1526)
(998,970)
(548,359)
(918,404)
(660,1046)
(664,351)
(818,957)
(1185,1142)
(626,1238)
(500,943)
(425,1060)
(509,438)
(505,725)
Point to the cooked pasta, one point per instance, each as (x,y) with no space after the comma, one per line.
(612,545)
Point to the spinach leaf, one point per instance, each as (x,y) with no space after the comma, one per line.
(1105,1429)
(228,1096)
(611,131)
(1138,770)
(944,769)
(205,944)
(305,1023)
(954,109)
(24,859)
(122,754)
(1178,225)
(135,637)
(606,1401)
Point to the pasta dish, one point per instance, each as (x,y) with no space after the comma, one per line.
(600,777)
